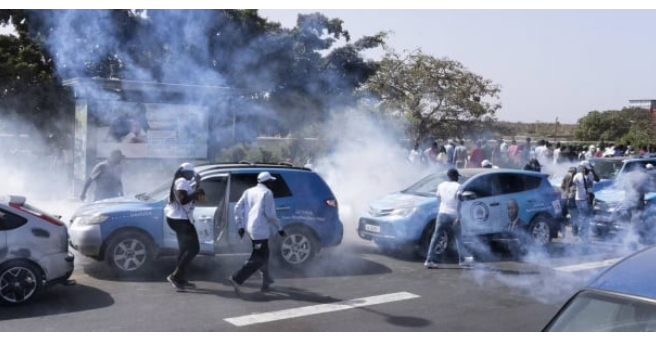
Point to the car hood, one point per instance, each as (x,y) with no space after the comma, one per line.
(400,200)
(616,195)
(114,205)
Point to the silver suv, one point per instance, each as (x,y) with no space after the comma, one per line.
(33,250)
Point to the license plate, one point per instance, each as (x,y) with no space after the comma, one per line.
(372,228)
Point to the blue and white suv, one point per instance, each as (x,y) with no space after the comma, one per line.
(407,218)
(129,233)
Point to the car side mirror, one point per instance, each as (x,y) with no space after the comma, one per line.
(468,196)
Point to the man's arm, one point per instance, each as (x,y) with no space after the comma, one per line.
(95,172)
(270,210)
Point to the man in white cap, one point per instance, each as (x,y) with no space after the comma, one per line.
(255,212)
(584,182)
(488,164)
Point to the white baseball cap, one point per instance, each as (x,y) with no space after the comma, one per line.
(265,176)
(186,167)
(649,166)
(486,163)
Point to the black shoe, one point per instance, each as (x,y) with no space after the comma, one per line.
(235,285)
(267,287)
(186,284)
(175,282)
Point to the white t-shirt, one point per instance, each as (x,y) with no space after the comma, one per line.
(580,185)
(447,193)
(175,209)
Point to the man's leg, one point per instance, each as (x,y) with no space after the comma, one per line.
(255,261)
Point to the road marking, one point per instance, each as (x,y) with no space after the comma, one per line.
(586,266)
(318,309)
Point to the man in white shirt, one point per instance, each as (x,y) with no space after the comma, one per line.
(447,192)
(255,212)
(584,181)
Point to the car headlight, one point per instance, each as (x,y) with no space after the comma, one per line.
(403,211)
(90,220)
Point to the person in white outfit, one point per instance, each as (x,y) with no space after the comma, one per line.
(255,213)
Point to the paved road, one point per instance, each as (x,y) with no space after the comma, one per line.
(354,288)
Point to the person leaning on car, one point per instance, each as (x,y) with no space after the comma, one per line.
(255,212)
(447,216)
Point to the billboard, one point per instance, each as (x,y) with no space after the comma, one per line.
(152,130)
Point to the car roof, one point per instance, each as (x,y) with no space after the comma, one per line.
(247,165)
(471,172)
(633,275)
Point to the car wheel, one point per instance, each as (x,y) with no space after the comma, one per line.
(129,253)
(20,281)
(442,245)
(540,231)
(298,248)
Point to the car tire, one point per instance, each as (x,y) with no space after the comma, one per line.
(129,253)
(20,281)
(443,245)
(539,231)
(296,250)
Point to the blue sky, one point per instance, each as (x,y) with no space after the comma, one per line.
(550,63)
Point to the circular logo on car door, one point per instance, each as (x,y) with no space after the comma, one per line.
(479,211)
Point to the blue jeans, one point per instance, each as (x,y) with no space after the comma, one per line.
(446,222)
(583,213)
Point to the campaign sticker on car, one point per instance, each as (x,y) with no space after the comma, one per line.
(556,206)
(372,228)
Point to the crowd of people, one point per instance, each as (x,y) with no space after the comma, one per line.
(513,154)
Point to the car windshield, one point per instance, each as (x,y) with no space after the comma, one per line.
(595,311)
(428,185)
(607,169)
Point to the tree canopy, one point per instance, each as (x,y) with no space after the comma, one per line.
(632,124)
(439,97)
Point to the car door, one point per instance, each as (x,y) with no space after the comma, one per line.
(3,235)
(10,224)
(480,207)
(238,183)
(206,210)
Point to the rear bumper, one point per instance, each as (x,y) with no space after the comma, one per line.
(58,267)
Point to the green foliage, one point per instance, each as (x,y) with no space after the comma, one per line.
(629,124)
(439,97)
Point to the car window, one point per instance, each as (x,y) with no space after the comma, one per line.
(607,169)
(484,186)
(531,182)
(215,190)
(593,311)
(9,221)
(241,182)
(511,183)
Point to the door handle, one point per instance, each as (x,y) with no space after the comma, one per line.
(282,208)
(204,218)
(495,204)
(530,201)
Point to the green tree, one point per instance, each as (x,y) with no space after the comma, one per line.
(629,124)
(439,97)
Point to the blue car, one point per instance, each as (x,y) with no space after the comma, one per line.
(612,169)
(407,218)
(622,298)
(128,233)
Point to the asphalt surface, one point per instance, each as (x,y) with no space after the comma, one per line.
(355,287)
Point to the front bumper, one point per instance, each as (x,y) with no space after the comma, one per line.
(86,239)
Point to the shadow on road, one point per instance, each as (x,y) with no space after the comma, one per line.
(59,300)
(331,263)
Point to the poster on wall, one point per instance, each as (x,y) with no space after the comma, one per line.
(152,130)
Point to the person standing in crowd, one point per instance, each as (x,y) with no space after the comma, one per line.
(450,148)
(460,156)
(568,194)
(477,155)
(447,193)
(431,153)
(107,176)
(179,210)
(584,181)
(556,153)
(255,213)
(414,156)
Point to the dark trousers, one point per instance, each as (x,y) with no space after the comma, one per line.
(187,243)
(259,260)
